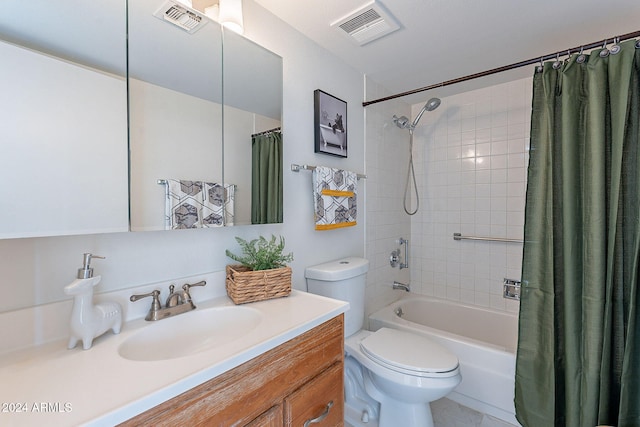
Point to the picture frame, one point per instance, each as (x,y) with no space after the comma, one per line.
(330,124)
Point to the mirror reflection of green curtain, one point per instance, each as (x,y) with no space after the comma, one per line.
(578,361)
(266,178)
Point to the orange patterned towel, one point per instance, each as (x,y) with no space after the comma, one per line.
(334,196)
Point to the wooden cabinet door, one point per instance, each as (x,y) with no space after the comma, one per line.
(318,403)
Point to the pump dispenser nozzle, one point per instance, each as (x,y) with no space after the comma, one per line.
(86,271)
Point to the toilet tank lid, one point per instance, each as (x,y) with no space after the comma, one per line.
(339,269)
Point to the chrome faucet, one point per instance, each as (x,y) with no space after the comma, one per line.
(398,285)
(174,299)
(177,302)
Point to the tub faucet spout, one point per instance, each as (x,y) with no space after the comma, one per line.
(398,285)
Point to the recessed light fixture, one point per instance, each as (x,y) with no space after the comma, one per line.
(231,15)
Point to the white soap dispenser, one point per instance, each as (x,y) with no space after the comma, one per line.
(89,321)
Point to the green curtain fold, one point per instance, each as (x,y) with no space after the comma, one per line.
(578,359)
(266,178)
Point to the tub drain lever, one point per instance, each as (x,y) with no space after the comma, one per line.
(511,289)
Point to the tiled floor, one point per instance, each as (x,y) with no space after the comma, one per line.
(447,413)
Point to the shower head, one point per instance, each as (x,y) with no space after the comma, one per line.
(403,122)
(431,105)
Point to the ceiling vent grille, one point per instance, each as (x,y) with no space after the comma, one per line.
(181,16)
(368,23)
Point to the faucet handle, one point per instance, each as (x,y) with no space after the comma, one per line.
(187,286)
(155,304)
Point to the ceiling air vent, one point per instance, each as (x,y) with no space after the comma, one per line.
(368,23)
(181,16)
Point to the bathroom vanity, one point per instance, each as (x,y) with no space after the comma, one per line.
(297,381)
(284,370)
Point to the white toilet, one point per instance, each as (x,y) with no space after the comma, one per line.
(390,375)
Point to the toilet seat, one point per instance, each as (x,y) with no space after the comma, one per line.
(409,354)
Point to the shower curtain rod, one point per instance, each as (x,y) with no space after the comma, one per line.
(507,67)
(266,132)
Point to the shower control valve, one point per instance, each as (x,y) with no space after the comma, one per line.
(394,259)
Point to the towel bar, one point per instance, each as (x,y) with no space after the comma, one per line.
(164,182)
(296,168)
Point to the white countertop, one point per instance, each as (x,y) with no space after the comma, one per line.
(50,385)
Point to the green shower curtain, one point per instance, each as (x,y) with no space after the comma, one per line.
(578,361)
(266,178)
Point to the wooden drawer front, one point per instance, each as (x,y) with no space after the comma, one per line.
(322,395)
(271,418)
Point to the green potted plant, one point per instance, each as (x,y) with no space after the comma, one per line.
(262,273)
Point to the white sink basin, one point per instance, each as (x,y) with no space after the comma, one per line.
(190,333)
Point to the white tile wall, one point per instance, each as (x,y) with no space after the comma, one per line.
(386,156)
(471,156)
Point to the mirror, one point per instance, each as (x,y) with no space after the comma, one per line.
(252,130)
(177,104)
(66,119)
(64,127)
(175,96)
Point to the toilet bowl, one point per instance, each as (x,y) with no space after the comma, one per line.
(390,375)
(404,372)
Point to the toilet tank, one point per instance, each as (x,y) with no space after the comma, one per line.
(343,279)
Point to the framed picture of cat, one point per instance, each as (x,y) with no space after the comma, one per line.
(330,124)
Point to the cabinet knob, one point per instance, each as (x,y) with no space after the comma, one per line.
(320,417)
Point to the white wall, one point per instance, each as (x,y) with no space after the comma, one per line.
(34,271)
(471,158)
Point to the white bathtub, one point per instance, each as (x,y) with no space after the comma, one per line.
(484,340)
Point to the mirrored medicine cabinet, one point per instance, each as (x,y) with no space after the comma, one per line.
(85,143)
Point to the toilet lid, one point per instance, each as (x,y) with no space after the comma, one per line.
(406,352)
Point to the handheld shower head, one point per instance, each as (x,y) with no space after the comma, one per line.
(431,105)
(403,123)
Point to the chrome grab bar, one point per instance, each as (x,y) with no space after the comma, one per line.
(405,242)
(458,236)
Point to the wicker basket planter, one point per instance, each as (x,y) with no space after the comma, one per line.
(245,285)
